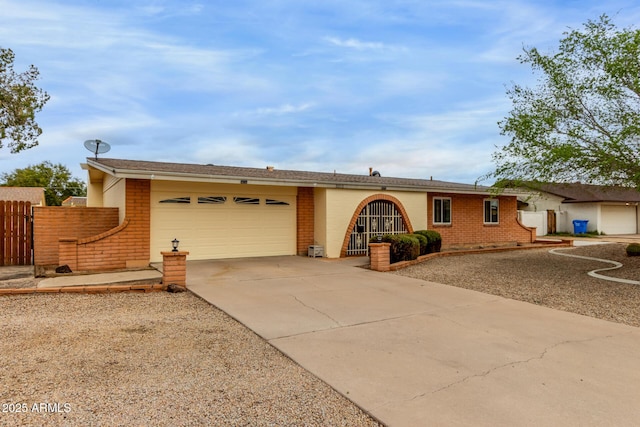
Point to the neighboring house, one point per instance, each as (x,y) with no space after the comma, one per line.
(227,212)
(34,195)
(75,201)
(609,209)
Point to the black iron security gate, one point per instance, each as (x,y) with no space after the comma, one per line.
(378,217)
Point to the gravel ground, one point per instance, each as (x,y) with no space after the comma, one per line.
(538,277)
(155,359)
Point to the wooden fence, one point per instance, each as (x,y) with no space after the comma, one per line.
(15,233)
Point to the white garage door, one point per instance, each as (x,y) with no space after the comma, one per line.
(212,225)
(618,219)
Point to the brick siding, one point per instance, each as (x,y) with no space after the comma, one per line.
(467,222)
(305,219)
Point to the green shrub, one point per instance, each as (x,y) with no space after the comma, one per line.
(633,249)
(424,243)
(404,247)
(434,238)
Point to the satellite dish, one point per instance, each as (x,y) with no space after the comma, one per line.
(96,146)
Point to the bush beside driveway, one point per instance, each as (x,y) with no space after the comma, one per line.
(538,277)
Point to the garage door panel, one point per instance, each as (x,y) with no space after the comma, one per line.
(618,219)
(223,230)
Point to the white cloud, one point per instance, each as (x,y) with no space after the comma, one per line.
(282,109)
(355,43)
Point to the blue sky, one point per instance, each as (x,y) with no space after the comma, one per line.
(412,88)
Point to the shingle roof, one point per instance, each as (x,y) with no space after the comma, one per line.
(257,175)
(582,193)
(35,195)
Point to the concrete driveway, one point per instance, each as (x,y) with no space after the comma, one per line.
(416,353)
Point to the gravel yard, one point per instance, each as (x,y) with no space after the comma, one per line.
(155,359)
(538,277)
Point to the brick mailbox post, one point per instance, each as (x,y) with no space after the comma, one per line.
(380,256)
(174,268)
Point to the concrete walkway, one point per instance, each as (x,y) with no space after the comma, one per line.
(416,353)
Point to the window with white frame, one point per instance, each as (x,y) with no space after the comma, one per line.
(491,211)
(442,210)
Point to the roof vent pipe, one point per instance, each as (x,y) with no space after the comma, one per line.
(370,171)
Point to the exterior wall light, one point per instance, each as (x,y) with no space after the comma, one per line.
(174,245)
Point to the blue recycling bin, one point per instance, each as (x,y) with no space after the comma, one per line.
(580,226)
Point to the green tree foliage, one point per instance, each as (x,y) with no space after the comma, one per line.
(582,120)
(20,100)
(56,180)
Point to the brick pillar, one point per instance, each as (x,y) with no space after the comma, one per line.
(68,253)
(174,268)
(138,209)
(305,211)
(380,255)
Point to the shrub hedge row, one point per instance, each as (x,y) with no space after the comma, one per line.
(407,247)
(434,238)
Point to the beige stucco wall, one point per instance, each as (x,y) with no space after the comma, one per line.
(94,194)
(114,195)
(336,207)
(226,230)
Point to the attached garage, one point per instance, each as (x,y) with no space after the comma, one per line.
(619,219)
(223,221)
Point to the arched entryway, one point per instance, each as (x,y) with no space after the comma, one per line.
(377,215)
